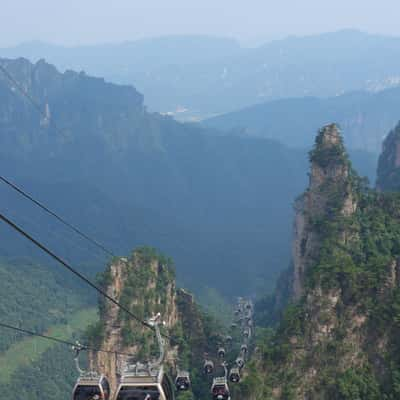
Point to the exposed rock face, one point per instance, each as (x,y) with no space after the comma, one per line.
(136,284)
(388,174)
(339,339)
(107,111)
(112,328)
(145,284)
(328,167)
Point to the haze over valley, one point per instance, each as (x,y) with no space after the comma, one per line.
(227,205)
(176,73)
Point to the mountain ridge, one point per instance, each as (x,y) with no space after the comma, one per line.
(182,184)
(316,65)
(364,117)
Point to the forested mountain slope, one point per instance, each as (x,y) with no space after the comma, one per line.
(36,296)
(217,204)
(40,299)
(51,376)
(177,73)
(338,339)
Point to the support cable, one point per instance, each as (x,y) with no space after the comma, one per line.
(74,271)
(61,341)
(53,214)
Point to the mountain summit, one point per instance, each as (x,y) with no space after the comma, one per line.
(339,337)
(330,169)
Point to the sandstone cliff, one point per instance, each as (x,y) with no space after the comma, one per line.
(388,174)
(329,170)
(338,339)
(145,284)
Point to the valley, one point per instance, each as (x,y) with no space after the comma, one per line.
(233,211)
(30,350)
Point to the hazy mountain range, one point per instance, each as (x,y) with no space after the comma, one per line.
(217,197)
(219,205)
(364,117)
(177,73)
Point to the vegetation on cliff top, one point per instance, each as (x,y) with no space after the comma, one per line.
(147,280)
(356,269)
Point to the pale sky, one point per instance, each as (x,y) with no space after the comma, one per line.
(75,22)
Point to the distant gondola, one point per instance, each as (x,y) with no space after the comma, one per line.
(240,362)
(234,375)
(208,367)
(182,381)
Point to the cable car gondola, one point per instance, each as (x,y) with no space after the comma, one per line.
(145,385)
(91,387)
(243,348)
(182,381)
(234,375)
(147,382)
(240,362)
(208,367)
(220,389)
(221,352)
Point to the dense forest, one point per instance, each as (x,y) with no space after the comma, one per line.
(40,299)
(51,376)
(35,296)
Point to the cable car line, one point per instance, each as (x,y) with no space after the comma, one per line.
(61,341)
(38,244)
(129,382)
(22,90)
(28,196)
(53,214)
(38,107)
(74,271)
